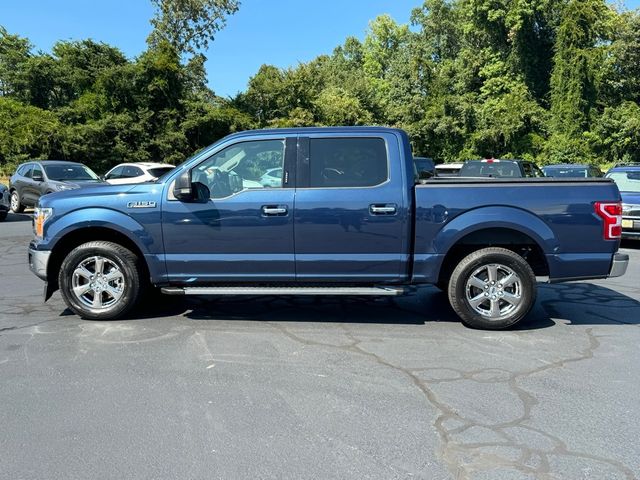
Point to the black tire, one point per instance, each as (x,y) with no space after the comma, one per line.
(495,304)
(3,216)
(120,261)
(16,202)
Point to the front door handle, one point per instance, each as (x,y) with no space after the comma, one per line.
(385,209)
(274,210)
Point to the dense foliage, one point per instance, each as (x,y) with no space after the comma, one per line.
(549,80)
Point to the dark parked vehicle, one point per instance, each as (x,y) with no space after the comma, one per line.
(37,178)
(627,177)
(572,170)
(347,218)
(4,202)
(500,169)
(426,165)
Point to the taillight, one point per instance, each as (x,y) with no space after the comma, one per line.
(611,214)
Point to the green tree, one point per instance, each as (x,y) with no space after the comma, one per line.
(578,52)
(189,25)
(14,53)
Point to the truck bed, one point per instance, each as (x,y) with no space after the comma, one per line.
(556,214)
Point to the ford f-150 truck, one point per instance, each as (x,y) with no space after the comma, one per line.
(348,217)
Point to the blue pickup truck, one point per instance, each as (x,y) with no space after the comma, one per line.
(348,217)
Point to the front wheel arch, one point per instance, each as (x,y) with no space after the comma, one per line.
(100,280)
(90,234)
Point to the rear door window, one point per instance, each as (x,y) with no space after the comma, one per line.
(347,162)
(131,172)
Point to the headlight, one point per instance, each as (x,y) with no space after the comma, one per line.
(61,187)
(40,216)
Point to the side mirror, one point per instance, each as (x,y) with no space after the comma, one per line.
(183,190)
(37,178)
(425,175)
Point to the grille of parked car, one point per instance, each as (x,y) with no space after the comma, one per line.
(631,211)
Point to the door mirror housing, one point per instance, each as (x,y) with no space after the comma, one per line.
(183,189)
(37,178)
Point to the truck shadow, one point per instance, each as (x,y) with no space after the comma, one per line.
(574,304)
(589,304)
(18,217)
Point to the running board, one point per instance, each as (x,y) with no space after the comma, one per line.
(375,291)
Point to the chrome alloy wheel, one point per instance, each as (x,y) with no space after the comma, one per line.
(15,202)
(98,282)
(494,291)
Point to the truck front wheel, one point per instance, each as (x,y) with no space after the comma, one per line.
(492,289)
(100,280)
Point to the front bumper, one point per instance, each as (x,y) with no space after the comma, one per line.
(38,262)
(619,265)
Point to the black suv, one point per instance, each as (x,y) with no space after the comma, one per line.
(37,178)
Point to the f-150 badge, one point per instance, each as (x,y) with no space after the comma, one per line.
(141,204)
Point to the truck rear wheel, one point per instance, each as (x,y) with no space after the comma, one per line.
(100,280)
(492,289)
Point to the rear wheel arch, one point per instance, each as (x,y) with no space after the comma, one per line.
(492,288)
(501,237)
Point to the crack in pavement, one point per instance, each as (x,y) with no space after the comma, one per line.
(465,458)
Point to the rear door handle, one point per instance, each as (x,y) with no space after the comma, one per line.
(385,209)
(274,210)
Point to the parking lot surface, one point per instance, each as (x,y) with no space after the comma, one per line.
(284,387)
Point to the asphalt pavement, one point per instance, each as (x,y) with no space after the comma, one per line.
(317,388)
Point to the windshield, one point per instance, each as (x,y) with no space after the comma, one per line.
(626,181)
(68,173)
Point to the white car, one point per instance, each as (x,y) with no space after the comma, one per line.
(448,169)
(136,172)
(272,178)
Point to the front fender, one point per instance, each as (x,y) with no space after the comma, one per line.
(100,217)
